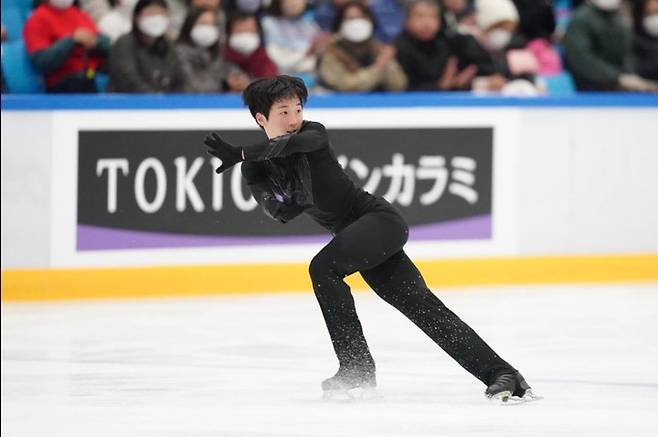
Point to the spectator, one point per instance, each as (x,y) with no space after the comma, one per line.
(536,19)
(292,38)
(118,20)
(433,60)
(537,26)
(145,60)
(112,16)
(204,69)
(356,60)
(645,38)
(245,46)
(64,44)
(514,67)
(216,6)
(387,14)
(597,49)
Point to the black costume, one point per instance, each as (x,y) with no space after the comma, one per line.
(299,173)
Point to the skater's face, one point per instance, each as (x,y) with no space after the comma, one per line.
(286,116)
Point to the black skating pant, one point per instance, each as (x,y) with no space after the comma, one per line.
(372,245)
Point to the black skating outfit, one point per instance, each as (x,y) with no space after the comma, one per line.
(299,173)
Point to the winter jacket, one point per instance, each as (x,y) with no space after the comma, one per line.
(203,70)
(424,61)
(350,67)
(137,68)
(597,48)
(256,64)
(645,53)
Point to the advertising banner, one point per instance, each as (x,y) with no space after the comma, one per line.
(158,189)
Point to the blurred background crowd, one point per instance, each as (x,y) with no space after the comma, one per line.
(513,47)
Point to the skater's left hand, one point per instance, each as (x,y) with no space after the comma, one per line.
(229,154)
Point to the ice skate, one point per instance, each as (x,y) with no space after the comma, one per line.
(510,388)
(350,384)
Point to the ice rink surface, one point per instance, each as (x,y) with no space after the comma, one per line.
(252,366)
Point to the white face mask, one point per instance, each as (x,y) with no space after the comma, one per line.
(498,39)
(244,42)
(356,29)
(61,4)
(204,35)
(154,25)
(607,5)
(650,24)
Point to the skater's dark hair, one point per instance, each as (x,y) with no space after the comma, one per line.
(261,94)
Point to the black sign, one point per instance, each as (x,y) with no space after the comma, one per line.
(164,181)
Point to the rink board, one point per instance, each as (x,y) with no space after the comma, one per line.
(557,195)
(93,283)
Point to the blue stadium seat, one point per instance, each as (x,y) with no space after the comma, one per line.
(17,70)
(560,84)
(23,6)
(13,20)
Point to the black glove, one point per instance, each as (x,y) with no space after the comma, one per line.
(229,154)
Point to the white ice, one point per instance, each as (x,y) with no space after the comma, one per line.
(252,366)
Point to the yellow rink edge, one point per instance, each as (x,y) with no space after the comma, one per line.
(199,280)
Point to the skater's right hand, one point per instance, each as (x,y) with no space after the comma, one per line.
(227,153)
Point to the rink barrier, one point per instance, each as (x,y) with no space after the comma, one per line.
(187,281)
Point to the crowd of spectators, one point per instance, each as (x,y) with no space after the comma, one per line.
(213,46)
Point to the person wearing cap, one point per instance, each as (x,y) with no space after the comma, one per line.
(144,60)
(515,67)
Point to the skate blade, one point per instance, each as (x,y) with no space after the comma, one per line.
(354,394)
(508,400)
(529,396)
(502,397)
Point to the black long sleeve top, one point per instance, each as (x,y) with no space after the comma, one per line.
(298,173)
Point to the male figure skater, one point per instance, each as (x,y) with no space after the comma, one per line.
(295,171)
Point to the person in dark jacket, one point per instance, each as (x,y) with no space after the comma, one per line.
(598,49)
(145,60)
(64,44)
(433,60)
(295,171)
(645,38)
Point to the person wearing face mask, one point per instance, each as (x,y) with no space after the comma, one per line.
(64,44)
(597,49)
(355,60)
(387,13)
(117,21)
(144,60)
(645,38)
(199,50)
(245,48)
(217,6)
(292,38)
(514,66)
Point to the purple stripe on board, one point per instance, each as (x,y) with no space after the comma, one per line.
(463,229)
(100,238)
